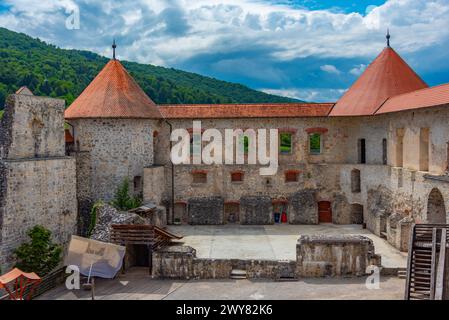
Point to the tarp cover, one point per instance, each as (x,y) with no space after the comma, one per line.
(106,258)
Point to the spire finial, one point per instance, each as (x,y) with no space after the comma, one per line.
(113,49)
(388,37)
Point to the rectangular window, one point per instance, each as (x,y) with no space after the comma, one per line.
(399,147)
(424,139)
(199,177)
(236,176)
(137,184)
(246,144)
(384,152)
(291,176)
(362,150)
(285,145)
(315,143)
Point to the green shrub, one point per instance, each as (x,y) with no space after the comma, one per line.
(93,217)
(40,255)
(122,200)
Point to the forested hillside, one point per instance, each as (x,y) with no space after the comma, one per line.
(51,71)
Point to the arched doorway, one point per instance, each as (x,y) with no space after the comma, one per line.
(436,211)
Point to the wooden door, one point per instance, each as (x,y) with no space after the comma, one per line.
(324,212)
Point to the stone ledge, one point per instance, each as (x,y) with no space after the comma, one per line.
(333,239)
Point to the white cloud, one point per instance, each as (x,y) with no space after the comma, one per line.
(288,32)
(330,69)
(358,70)
(309,94)
(174,32)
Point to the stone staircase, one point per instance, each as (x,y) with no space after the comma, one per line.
(238,274)
(402,273)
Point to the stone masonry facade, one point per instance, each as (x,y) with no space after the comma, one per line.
(37,180)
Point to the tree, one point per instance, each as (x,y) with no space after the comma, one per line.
(40,255)
(122,199)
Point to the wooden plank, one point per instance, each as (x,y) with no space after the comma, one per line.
(409,263)
(433,264)
(440,269)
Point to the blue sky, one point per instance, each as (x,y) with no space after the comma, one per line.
(307,49)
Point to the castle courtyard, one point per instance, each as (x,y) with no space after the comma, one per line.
(273,242)
(136,284)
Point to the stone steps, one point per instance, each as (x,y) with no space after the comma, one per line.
(402,273)
(238,274)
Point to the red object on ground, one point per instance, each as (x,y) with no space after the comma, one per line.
(20,281)
(284,217)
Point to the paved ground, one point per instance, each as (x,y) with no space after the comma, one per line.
(272,242)
(137,285)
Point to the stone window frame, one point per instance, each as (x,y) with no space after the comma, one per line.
(292,133)
(199,174)
(291,176)
(236,173)
(319,131)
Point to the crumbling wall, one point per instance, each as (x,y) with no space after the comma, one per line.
(334,255)
(256,210)
(341,210)
(205,210)
(303,207)
(37,180)
(180,262)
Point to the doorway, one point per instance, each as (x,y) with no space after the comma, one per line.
(436,210)
(324,212)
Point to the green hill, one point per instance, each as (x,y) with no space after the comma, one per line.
(51,71)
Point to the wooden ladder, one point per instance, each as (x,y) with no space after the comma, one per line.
(427,266)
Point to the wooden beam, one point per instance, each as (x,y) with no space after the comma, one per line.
(439,286)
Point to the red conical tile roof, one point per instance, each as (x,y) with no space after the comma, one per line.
(388,75)
(113,94)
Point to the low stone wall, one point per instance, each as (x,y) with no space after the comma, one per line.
(256,210)
(207,210)
(334,255)
(317,256)
(180,262)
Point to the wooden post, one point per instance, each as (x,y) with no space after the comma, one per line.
(439,286)
(409,262)
(433,265)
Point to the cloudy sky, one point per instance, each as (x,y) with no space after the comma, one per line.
(308,49)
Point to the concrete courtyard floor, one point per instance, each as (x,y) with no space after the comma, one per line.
(272,242)
(136,284)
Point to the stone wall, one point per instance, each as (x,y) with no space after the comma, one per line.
(37,180)
(256,210)
(180,262)
(317,256)
(32,127)
(334,255)
(303,207)
(111,150)
(205,210)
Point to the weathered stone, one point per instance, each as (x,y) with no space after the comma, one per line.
(256,210)
(303,207)
(37,180)
(334,255)
(341,210)
(205,210)
(107,216)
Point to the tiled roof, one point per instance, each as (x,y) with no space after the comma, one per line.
(387,76)
(281,110)
(113,94)
(428,97)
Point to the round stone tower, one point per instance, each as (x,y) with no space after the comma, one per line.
(113,123)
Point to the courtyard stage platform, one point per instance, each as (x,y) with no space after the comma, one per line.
(272,242)
(136,284)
